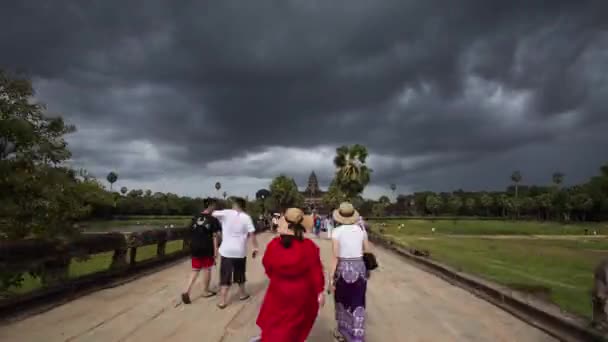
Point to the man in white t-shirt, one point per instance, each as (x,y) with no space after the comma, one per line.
(237,228)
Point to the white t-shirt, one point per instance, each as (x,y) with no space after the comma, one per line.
(350,240)
(236,226)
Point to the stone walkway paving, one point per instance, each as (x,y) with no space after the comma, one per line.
(404,304)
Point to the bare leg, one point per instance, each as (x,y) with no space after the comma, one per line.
(207,282)
(206,279)
(242,292)
(223,295)
(193,277)
(186,294)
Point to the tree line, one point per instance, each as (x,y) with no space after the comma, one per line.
(582,202)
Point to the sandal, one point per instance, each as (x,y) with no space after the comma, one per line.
(209,294)
(338,336)
(222,306)
(244,297)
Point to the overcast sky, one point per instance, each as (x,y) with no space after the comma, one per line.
(176,95)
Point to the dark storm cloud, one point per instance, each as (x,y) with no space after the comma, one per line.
(462,82)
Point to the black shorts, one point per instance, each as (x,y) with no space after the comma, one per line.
(232,270)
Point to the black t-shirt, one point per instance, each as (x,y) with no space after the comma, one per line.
(203,227)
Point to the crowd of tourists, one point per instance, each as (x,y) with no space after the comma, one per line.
(293,264)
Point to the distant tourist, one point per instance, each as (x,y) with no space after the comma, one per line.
(349,274)
(203,248)
(329,225)
(293,264)
(317,225)
(275,222)
(237,228)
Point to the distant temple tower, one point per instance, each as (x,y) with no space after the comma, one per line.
(313,195)
(313,184)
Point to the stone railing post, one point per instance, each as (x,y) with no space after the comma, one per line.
(132,256)
(119,258)
(161,247)
(186,243)
(55,271)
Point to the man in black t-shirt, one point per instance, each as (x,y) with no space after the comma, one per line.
(203,248)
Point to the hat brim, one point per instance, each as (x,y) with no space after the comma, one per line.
(307,222)
(346,219)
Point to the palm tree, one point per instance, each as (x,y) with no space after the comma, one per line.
(393,188)
(262,194)
(224,194)
(558,178)
(124,190)
(218,186)
(352,175)
(112,178)
(516,178)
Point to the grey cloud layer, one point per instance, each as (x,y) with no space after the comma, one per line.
(463,83)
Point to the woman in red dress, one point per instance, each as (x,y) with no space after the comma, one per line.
(295,293)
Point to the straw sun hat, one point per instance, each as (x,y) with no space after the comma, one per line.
(295,215)
(346,214)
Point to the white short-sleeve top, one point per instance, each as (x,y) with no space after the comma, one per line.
(350,240)
(236,227)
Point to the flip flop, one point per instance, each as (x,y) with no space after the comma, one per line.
(338,336)
(209,294)
(245,297)
(222,306)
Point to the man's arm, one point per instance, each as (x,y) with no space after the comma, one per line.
(215,245)
(219,214)
(251,234)
(254,241)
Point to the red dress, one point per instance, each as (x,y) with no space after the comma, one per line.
(291,304)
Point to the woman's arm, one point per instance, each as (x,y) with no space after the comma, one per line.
(366,245)
(317,270)
(367,248)
(266,259)
(334,263)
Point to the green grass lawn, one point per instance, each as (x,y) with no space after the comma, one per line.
(135,224)
(490,227)
(96,263)
(560,271)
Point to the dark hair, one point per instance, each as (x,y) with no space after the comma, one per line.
(240,202)
(298,230)
(209,201)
